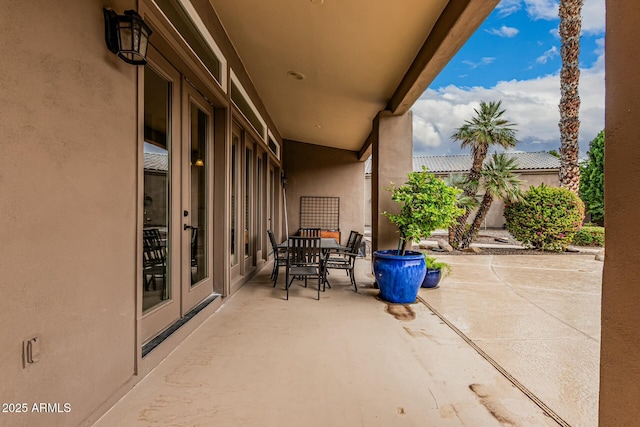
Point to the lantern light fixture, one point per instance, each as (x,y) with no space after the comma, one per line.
(127,35)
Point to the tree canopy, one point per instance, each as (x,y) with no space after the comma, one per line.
(426,203)
(592,180)
(487,128)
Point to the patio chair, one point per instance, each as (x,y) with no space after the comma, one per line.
(346,259)
(309,232)
(352,236)
(153,260)
(194,253)
(305,261)
(279,257)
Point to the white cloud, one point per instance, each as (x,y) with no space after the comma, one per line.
(426,132)
(542,9)
(599,63)
(531,104)
(593,12)
(593,17)
(508,7)
(504,31)
(484,61)
(551,53)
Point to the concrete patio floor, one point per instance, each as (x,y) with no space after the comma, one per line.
(351,359)
(537,317)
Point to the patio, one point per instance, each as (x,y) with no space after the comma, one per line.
(351,359)
(537,317)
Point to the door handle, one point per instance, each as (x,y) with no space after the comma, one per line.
(188,227)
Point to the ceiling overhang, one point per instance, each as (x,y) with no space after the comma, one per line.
(325,68)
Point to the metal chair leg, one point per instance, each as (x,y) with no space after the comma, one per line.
(353,279)
(275,276)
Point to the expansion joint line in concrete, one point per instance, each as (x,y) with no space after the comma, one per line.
(500,369)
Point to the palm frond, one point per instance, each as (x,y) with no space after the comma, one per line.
(499,178)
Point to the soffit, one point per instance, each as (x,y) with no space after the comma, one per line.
(353,56)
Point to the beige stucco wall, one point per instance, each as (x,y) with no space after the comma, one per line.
(313,170)
(68,201)
(620,364)
(391,162)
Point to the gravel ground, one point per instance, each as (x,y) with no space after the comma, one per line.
(489,236)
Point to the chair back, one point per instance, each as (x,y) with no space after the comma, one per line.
(352,236)
(309,232)
(153,251)
(194,247)
(304,251)
(272,239)
(355,246)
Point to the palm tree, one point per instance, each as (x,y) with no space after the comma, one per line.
(570,26)
(487,128)
(499,181)
(460,181)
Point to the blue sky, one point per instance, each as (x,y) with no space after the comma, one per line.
(515,57)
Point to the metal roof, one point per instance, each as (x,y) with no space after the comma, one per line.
(156,161)
(538,161)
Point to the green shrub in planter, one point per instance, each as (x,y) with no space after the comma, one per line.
(426,203)
(434,264)
(589,236)
(547,218)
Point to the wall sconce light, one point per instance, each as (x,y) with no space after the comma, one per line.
(127,35)
(195,155)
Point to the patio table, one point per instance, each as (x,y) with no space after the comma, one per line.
(327,244)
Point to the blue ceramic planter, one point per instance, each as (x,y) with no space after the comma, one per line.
(399,276)
(432,278)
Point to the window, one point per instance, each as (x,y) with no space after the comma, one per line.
(195,34)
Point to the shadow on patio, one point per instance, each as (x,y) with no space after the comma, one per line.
(348,359)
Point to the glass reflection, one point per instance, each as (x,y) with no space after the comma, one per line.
(199,126)
(234,194)
(155,277)
(248,179)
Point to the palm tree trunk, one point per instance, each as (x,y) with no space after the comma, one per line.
(477,221)
(452,233)
(459,228)
(470,191)
(570,26)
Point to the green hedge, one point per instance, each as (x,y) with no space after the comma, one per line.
(547,218)
(589,236)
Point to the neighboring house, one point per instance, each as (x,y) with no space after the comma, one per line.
(156,166)
(533,168)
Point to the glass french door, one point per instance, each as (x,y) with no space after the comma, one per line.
(261,231)
(234,240)
(177,262)
(248,220)
(271,209)
(161,171)
(197,193)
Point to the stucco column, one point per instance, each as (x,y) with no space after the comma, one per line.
(619,360)
(392,160)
